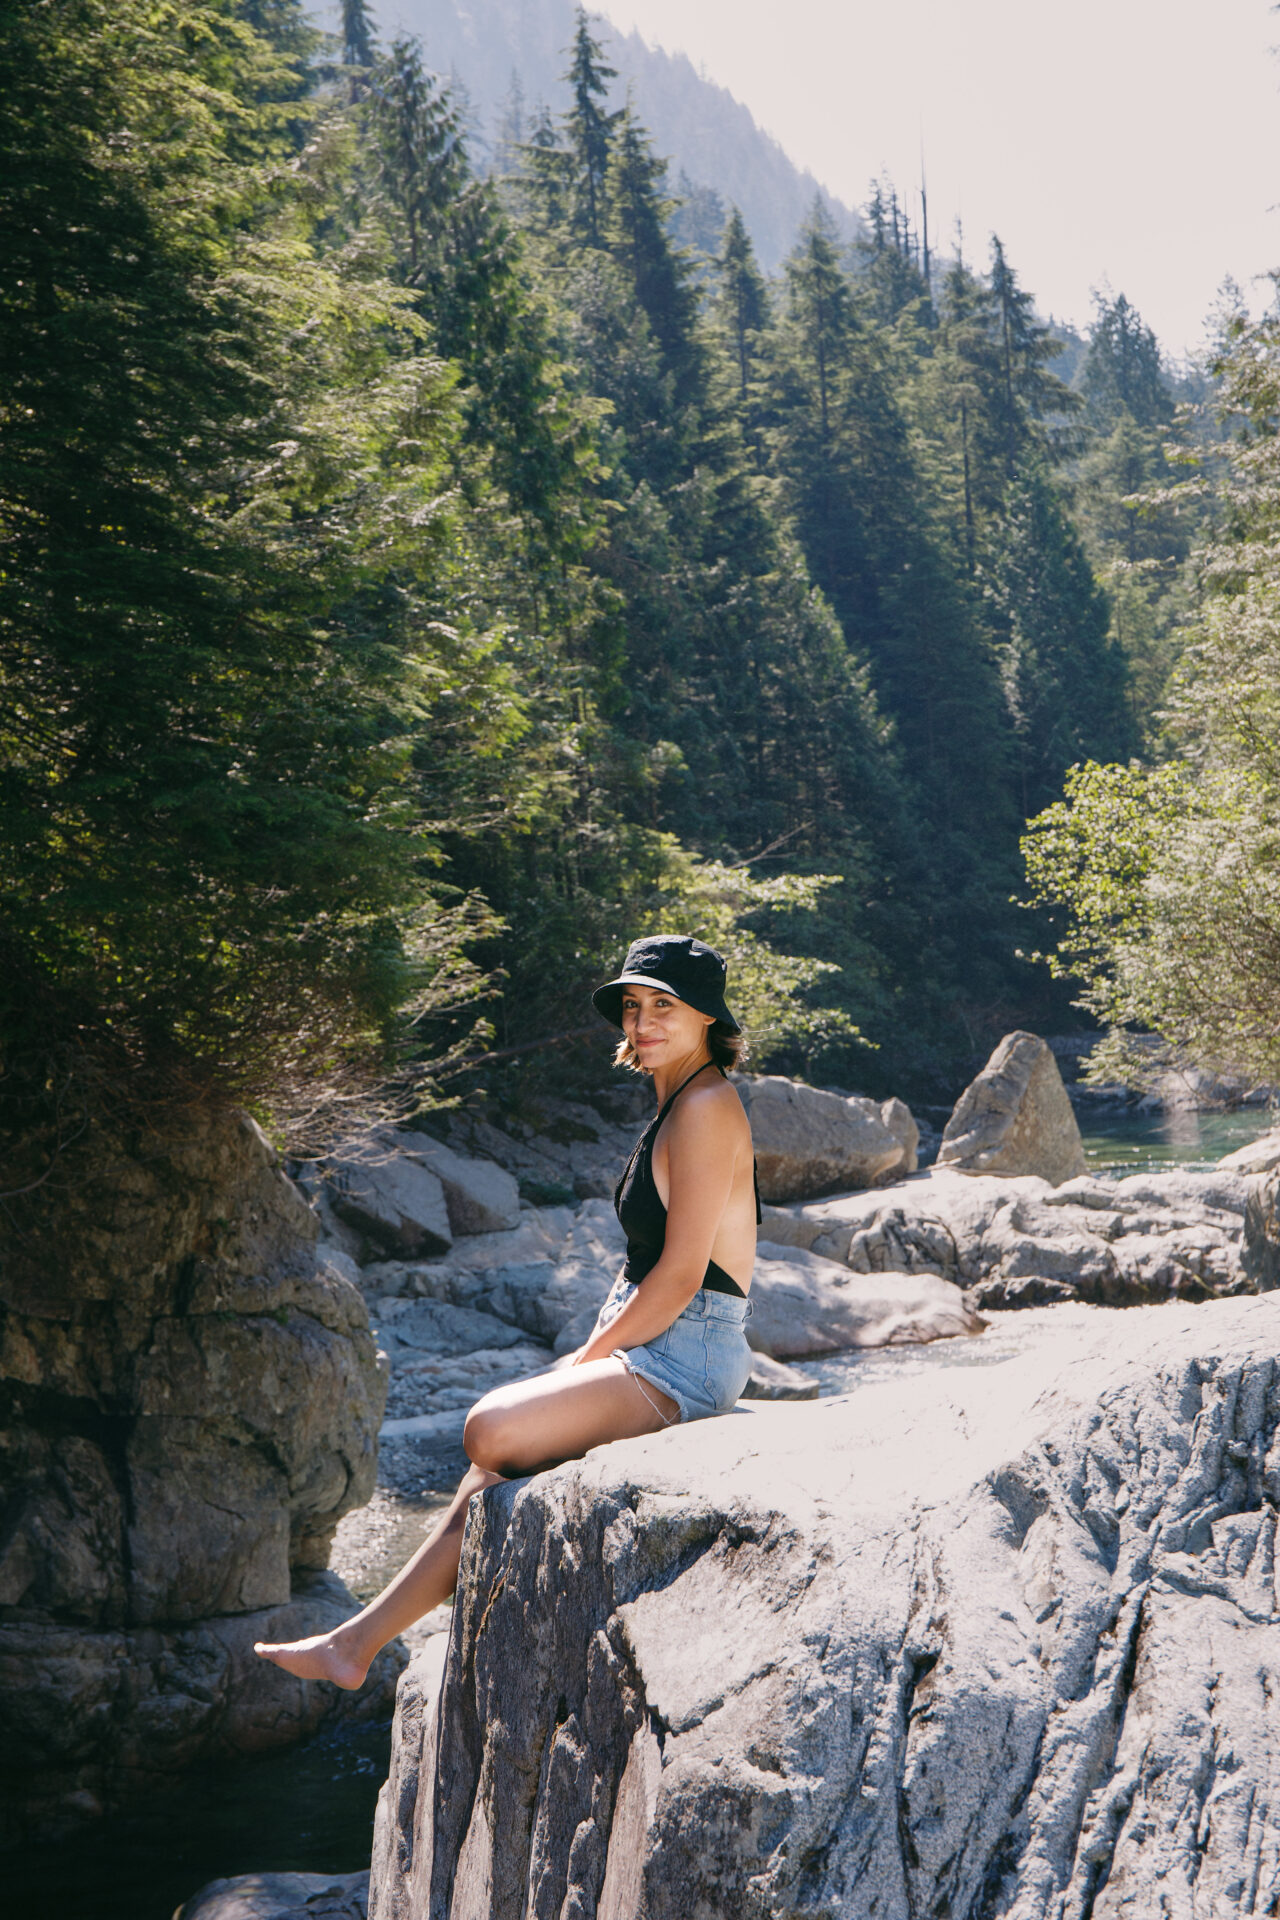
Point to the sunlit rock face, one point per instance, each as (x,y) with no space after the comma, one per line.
(996,1641)
(1016,1117)
(1017,1241)
(189,1401)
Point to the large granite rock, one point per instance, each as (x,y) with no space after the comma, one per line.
(1015,1117)
(392,1201)
(991,1641)
(1260,1257)
(481,1196)
(1021,1242)
(189,1403)
(281,1896)
(808,1141)
(560,1149)
(1260,1156)
(803,1305)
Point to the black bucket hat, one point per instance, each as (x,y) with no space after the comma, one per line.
(679,965)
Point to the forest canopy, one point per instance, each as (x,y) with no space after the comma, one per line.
(415,583)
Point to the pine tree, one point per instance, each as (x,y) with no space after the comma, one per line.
(1122,369)
(640,240)
(359,44)
(820,304)
(1065,679)
(589,129)
(742,304)
(1030,391)
(417,153)
(224,517)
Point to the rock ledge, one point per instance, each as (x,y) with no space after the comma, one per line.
(990,1640)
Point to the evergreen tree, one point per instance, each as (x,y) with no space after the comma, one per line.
(1122,370)
(417,153)
(640,240)
(742,303)
(359,44)
(589,129)
(214,633)
(890,258)
(1065,679)
(1031,392)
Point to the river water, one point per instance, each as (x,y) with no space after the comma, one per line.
(310,1809)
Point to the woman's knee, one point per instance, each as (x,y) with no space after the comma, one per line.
(486,1437)
(476,1479)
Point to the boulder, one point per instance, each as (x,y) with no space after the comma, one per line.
(94,1718)
(1019,1241)
(481,1196)
(1260,1258)
(281,1896)
(190,1403)
(394,1201)
(1260,1156)
(562,1149)
(437,1327)
(802,1305)
(1015,1118)
(988,1640)
(809,1141)
(773,1380)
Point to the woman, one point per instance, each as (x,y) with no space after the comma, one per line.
(669,1343)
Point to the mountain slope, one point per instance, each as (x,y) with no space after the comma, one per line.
(699,126)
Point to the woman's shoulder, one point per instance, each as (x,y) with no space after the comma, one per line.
(710,1102)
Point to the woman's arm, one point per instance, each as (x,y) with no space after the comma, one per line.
(703,1136)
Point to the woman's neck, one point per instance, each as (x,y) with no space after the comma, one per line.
(667,1079)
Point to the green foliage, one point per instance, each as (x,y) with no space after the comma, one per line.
(414,585)
(223,532)
(1171,878)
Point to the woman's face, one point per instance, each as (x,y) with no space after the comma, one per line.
(662,1029)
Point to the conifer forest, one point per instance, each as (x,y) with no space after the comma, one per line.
(421,576)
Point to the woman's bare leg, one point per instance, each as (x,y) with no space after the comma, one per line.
(513,1431)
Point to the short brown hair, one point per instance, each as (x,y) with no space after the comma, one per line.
(727,1048)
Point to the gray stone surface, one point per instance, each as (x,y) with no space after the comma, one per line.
(999,1641)
(281,1896)
(1260,1256)
(436,1326)
(190,1403)
(394,1202)
(1260,1156)
(93,1719)
(481,1196)
(802,1304)
(1015,1118)
(559,1147)
(771,1379)
(808,1141)
(1021,1242)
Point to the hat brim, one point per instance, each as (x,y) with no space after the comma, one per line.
(608,999)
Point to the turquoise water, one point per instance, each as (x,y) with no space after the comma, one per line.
(1130,1142)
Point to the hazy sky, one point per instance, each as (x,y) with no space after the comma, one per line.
(1135,142)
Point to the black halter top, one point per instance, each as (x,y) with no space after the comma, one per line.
(639,1207)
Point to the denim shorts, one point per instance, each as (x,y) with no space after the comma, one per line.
(702,1360)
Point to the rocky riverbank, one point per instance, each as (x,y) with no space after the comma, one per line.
(1004,1643)
(244,1310)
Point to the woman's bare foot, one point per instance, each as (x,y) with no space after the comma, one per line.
(326,1656)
